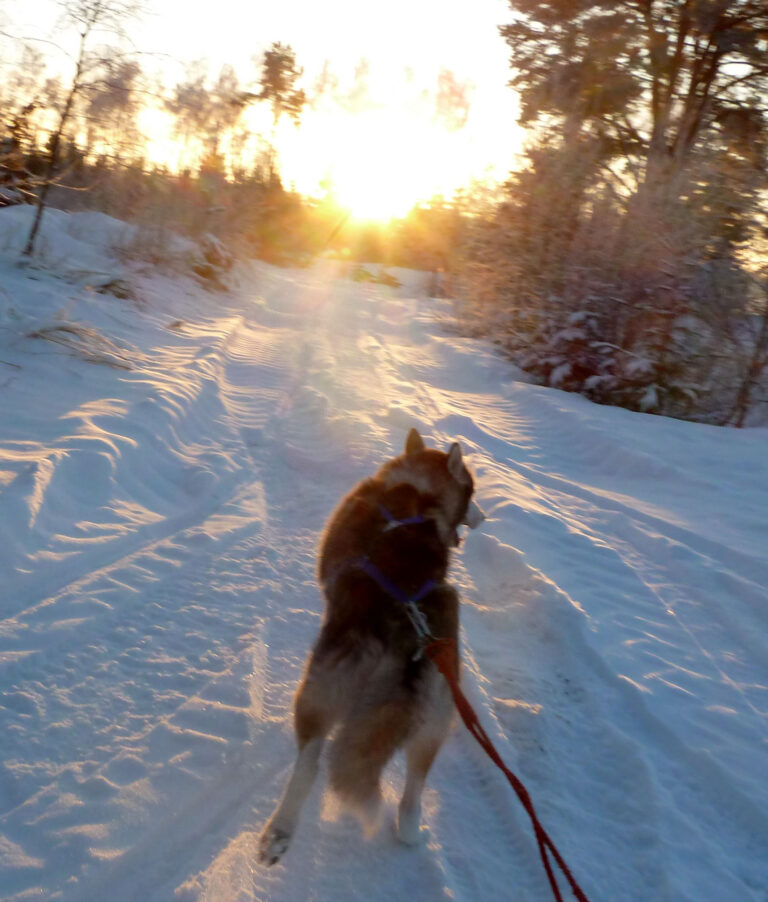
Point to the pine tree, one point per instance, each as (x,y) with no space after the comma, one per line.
(651,79)
(279,75)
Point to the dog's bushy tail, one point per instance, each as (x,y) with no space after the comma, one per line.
(365,741)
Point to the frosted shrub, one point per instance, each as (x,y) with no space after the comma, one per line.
(632,303)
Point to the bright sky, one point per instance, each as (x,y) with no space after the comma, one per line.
(390,152)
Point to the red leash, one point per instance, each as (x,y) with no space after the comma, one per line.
(444,654)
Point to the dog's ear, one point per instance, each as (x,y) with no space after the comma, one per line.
(456,462)
(414,443)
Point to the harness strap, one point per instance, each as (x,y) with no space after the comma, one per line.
(367,566)
(409,602)
(393,522)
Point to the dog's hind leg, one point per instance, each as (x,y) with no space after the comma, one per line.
(312,721)
(368,738)
(420,751)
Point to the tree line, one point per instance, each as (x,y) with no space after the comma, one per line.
(627,258)
(81,131)
(77,140)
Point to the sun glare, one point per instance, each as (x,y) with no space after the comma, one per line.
(162,147)
(376,159)
(377,163)
(366,197)
(377,170)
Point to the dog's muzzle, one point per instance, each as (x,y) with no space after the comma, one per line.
(474,516)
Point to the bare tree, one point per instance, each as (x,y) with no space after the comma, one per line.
(90,18)
(112,105)
(190,102)
(452,101)
(358,98)
(207,113)
(325,86)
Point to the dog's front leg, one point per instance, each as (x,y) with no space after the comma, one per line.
(314,715)
(276,835)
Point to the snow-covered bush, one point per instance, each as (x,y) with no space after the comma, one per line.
(631,302)
(361,273)
(214,261)
(155,245)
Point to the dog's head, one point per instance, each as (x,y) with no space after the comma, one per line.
(441,477)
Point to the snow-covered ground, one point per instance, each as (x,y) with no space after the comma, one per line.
(166,465)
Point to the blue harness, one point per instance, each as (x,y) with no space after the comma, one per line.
(410,603)
(393,522)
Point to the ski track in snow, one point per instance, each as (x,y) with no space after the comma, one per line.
(158,529)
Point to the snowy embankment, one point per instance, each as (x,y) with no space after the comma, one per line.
(166,464)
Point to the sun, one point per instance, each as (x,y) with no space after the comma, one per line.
(366,197)
(163,148)
(376,171)
(377,164)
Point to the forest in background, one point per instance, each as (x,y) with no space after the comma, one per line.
(628,258)
(625,258)
(82,141)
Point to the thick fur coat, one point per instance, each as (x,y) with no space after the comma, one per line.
(365,678)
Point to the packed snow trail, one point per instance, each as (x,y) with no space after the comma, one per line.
(159,531)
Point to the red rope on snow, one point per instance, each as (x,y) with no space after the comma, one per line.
(444,655)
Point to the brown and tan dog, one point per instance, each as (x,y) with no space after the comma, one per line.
(388,542)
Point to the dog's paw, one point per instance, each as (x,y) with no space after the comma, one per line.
(273,843)
(409,830)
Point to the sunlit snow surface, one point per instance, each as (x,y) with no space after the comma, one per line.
(160,508)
